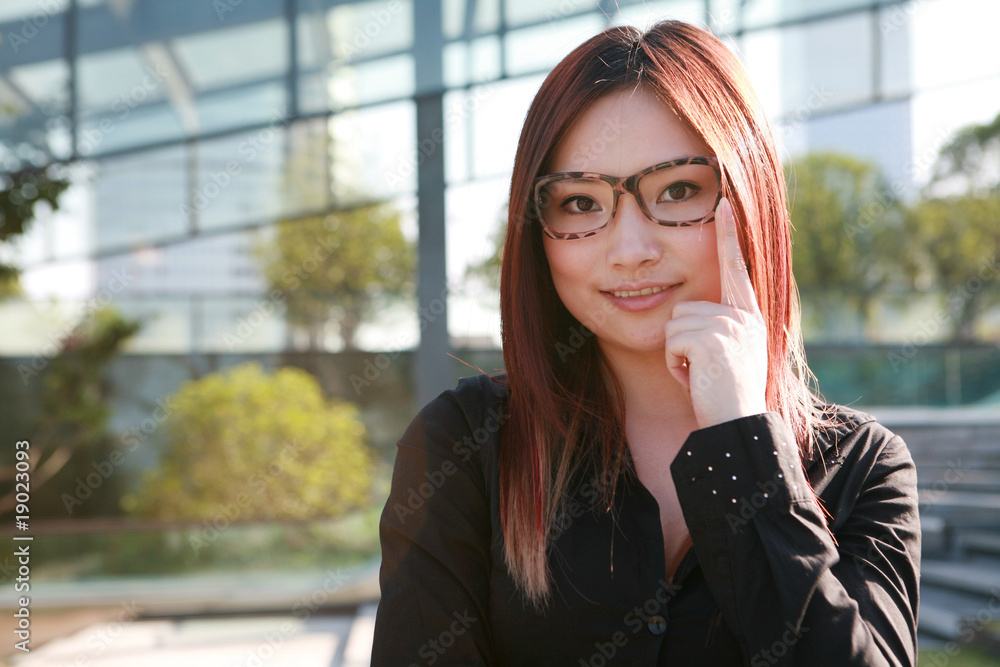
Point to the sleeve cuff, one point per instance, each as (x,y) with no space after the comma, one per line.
(737,469)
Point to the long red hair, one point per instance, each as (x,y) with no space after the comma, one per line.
(566,408)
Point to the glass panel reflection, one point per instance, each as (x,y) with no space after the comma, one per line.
(372,81)
(895,59)
(363,30)
(139,198)
(827,64)
(373,152)
(33,104)
(229,56)
(239,178)
(354,53)
(34,78)
(468,62)
(765,12)
(647,13)
(36,14)
(540,47)
(497,112)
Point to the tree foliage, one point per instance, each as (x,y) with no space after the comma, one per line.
(487,269)
(73,403)
(338,266)
(845,238)
(253,445)
(969,163)
(20,193)
(959,238)
(956,224)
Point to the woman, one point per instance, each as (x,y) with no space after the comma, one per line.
(651,482)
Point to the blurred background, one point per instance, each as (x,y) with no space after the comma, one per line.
(243,241)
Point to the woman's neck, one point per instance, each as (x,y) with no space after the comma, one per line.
(652,395)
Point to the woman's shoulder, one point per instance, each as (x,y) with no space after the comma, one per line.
(473,400)
(849,433)
(468,417)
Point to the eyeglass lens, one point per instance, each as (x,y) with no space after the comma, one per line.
(682,193)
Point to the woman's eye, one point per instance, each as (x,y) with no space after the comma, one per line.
(678,192)
(580,204)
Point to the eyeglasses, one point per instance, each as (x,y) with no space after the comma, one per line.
(679,193)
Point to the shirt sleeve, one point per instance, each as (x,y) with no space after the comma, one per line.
(792,591)
(435,536)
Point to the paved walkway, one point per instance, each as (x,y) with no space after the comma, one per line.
(236,641)
(310,619)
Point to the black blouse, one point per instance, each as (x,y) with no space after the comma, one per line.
(765,583)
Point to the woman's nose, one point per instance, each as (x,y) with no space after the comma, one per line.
(632,237)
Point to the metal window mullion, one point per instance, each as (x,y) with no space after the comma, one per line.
(71,27)
(291,16)
(876,62)
(432,365)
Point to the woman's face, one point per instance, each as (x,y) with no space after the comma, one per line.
(597,276)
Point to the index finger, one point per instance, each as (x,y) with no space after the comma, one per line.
(737,291)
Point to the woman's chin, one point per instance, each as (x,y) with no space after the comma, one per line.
(652,345)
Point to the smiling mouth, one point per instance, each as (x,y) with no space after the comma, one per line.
(642,292)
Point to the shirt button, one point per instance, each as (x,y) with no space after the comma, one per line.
(657,625)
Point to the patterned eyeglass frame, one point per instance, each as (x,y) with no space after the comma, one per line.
(621,185)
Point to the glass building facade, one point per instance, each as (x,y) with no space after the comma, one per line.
(189,127)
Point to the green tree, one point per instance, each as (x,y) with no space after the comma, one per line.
(957,225)
(969,163)
(271,446)
(70,430)
(846,221)
(20,193)
(960,240)
(338,266)
(487,270)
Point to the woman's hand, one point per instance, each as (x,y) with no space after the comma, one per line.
(718,351)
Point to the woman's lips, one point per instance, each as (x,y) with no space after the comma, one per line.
(643,299)
(643,292)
